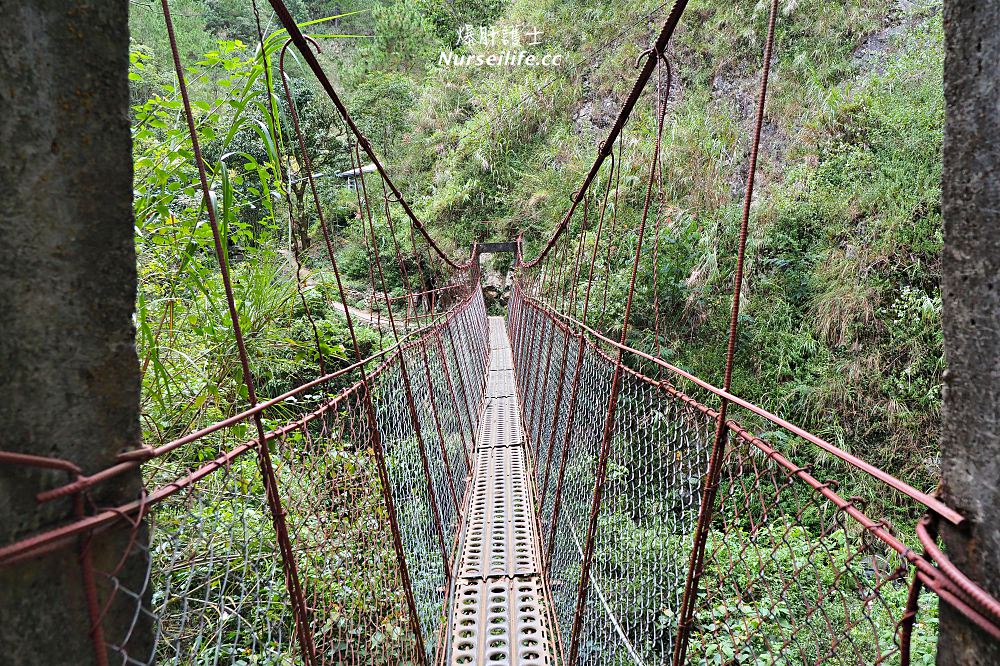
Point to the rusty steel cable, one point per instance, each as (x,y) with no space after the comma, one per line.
(267,470)
(718,447)
(429,476)
(609,419)
(369,409)
(650,65)
(575,384)
(295,34)
(429,393)
(611,230)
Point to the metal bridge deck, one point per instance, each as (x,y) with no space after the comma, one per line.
(499,613)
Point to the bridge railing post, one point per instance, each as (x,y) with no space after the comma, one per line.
(722,431)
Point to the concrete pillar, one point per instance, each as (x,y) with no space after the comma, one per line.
(69,379)
(970,448)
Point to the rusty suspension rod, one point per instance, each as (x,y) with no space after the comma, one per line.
(653,56)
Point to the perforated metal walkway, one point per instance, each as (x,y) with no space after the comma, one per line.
(499,613)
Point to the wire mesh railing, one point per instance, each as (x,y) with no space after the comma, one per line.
(791,569)
(365,480)
(650,505)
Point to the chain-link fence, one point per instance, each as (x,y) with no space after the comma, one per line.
(672,540)
(331,543)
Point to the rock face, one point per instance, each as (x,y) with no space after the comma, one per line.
(970,450)
(69,376)
(496,280)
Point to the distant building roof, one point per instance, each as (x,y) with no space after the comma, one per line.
(350,173)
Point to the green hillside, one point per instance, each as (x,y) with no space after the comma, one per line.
(840,327)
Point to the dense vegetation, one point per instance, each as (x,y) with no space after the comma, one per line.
(842,304)
(840,328)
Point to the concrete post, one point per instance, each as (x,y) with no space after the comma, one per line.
(970,449)
(69,379)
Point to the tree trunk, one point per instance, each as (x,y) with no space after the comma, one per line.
(970,448)
(69,376)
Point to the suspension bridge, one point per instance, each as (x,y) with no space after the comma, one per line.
(523,489)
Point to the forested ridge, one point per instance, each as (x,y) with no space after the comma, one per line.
(840,326)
